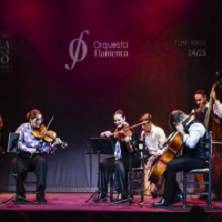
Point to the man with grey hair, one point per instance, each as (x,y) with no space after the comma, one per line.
(193,156)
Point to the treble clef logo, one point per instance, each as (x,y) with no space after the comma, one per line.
(79,53)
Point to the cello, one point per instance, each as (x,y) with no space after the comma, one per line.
(174,145)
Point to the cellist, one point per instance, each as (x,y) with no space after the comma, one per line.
(194,156)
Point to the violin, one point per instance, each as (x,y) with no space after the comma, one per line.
(47,135)
(126,130)
(44,134)
(123,132)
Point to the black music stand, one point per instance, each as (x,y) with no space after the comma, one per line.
(138,148)
(99,146)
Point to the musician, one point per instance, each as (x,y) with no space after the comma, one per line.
(31,157)
(200,112)
(202,105)
(153,138)
(119,164)
(193,155)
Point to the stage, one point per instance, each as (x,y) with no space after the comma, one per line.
(74,207)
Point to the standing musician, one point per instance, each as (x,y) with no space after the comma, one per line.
(200,113)
(119,164)
(202,105)
(194,156)
(31,156)
(153,138)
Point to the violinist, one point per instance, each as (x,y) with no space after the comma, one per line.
(31,156)
(119,163)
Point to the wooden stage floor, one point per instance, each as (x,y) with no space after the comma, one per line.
(73,207)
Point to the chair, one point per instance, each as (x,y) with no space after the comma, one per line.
(137,182)
(12,142)
(205,171)
(13,149)
(136,175)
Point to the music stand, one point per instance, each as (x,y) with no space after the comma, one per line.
(99,146)
(138,148)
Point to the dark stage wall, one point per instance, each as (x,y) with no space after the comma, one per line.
(81,60)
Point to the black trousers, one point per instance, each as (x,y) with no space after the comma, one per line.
(177,165)
(25,163)
(119,169)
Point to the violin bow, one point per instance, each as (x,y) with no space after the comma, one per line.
(138,124)
(50,121)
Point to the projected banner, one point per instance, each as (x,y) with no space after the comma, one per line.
(5,52)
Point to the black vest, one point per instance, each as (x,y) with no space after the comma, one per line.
(202,149)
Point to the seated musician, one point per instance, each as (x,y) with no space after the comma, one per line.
(193,155)
(119,163)
(153,138)
(31,157)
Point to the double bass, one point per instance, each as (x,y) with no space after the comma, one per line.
(214,124)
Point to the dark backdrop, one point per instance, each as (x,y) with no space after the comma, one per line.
(173,48)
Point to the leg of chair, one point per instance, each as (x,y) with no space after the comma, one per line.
(142,187)
(111,187)
(130,185)
(209,190)
(184,190)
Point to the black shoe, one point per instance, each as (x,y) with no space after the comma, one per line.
(40,196)
(154,195)
(20,199)
(100,198)
(121,198)
(161,203)
(178,198)
(41,200)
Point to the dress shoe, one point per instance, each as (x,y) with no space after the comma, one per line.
(178,198)
(121,198)
(41,200)
(20,199)
(154,195)
(161,203)
(100,198)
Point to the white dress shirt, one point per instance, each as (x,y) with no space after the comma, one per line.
(154,140)
(195,132)
(217,108)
